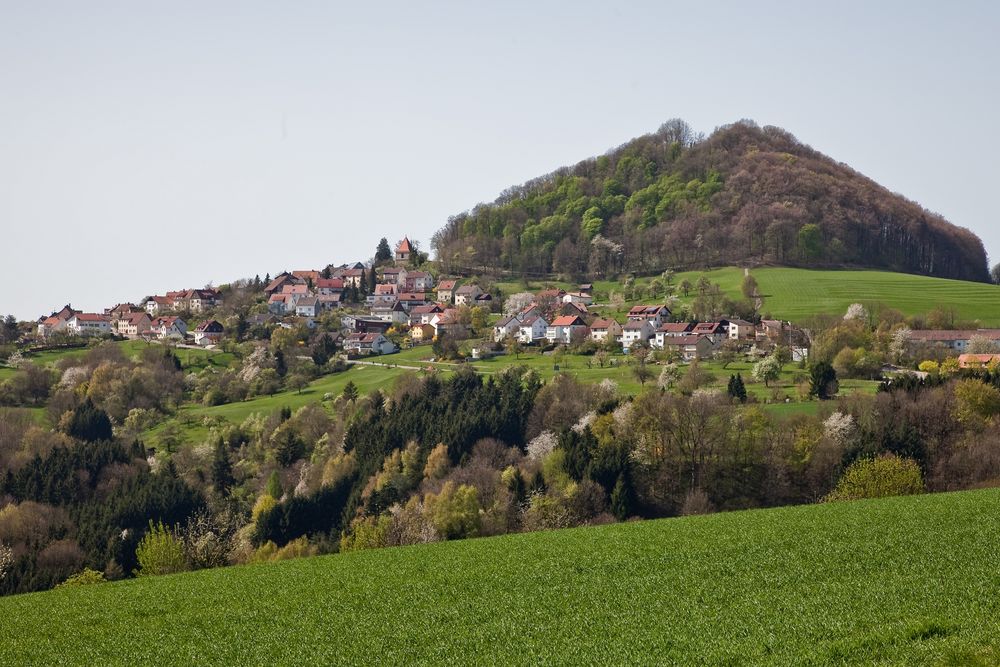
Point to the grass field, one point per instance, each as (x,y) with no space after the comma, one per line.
(898,581)
(797,294)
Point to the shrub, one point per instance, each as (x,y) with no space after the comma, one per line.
(886,475)
(160,552)
(84,578)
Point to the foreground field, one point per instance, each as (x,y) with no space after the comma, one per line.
(898,581)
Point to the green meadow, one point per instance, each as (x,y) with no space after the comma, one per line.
(900,581)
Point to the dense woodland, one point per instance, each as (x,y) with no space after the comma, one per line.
(673,199)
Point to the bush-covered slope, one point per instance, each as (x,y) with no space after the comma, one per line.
(896,581)
(745,194)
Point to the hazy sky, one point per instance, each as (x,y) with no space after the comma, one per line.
(153,146)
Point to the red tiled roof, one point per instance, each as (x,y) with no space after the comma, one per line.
(404,246)
(566,321)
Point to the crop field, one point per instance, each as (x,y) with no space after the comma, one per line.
(896,581)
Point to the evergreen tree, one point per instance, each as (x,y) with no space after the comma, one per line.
(279,363)
(621,499)
(823,381)
(737,389)
(89,423)
(363,289)
(273,488)
(373,279)
(350,391)
(222,468)
(383,253)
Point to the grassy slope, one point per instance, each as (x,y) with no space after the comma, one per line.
(896,581)
(795,294)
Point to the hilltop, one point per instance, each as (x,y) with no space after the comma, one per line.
(672,199)
(848,583)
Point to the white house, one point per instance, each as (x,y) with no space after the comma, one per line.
(208,333)
(566,329)
(508,326)
(656,315)
(636,331)
(582,298)
(88,324)
(369,343)
(741,330)
(671,330)
(603,330)
(532,329)
(307,306)
(168,327)
(466,295)
(690,346)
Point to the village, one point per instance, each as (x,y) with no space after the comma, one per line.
(381,307)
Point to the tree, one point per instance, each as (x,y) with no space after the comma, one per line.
(823,380)
(979,344)
(749,287)
(642,373)
(6,559)
(89,423)
(298,381)
(222,468)
(881,477)
(810,240)
(513,345)
(478,317)
(350,392)
(8,331)
(454,511)
(383,253)
(160,552)
(995,274)
(767,369)
(273,487)
(978,402)
(737,389)
(621,499)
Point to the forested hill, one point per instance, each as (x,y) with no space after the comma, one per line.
(673,199)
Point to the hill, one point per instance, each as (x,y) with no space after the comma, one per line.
(671,199)
(895,581)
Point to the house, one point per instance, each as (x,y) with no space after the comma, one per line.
(978,360)
(423,314)
(586,288)
(403,250)
(602,331)
(307,306)
(572,308)
(548,299)
(365,324)
(448,324)
(353,277)
(131,324)
(279,304)
(957,340)
(410,300)
(329,301)
(566,329)
(717,331)
(308,277)
(466,295)
(88,324)
(329,286)
(507,326)
(369,343)
(157,304)
(56,322)
(485,299)
(280,281)
(741,330)
(583,298)
(421,333)
(195,300)
(395,313)
(169,326)
(446,291)
(656,315)
(208,333)
(636,331)
(261,320)
(671,330)
(418,281)
(384,295)
(532,329)
(394,275)
(690,346)
(122,309)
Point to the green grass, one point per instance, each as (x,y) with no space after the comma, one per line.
(795,294)
(898,581)
(798,294)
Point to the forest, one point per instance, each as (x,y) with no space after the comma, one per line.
(745,195)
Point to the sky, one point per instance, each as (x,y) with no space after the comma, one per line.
(147,147)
